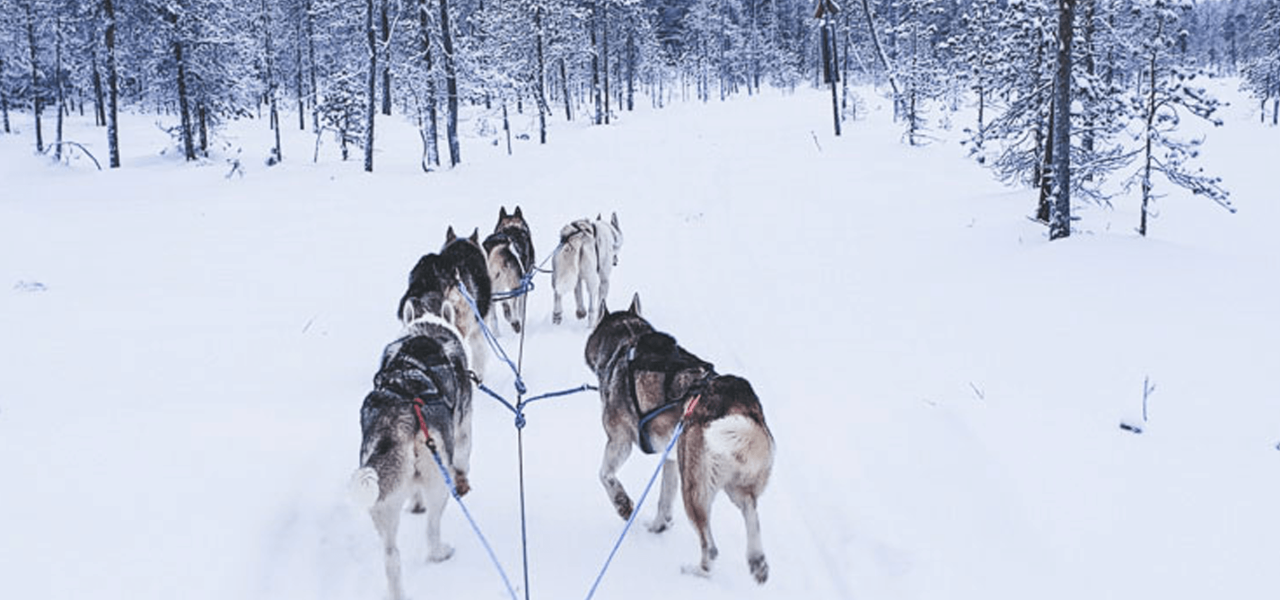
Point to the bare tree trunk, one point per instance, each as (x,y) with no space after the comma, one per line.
(595,61)
(631,69)
(277,156)
(113,87)
(311,59)
(431,135)
(451,85)
(301,93)
(1060,209)
(1090,67)
(1045,180)
(875,40)
(4,99)
(564,85)
(604,37)
(372,89)
(1149,133)
(57,82)
(203,115)
(386,63)
(35,75)
(99,103)
(184,107)
(542,76)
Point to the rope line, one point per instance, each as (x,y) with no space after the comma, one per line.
(491,338)
(467,513)
(636,510)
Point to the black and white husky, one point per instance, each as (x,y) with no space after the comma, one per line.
(648,382)
(433,288)
(509,250)
(587,253)
(421,389)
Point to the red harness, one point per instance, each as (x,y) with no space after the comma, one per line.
(422,423)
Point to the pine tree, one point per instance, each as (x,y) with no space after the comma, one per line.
(1167,93)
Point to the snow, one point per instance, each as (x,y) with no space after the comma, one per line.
(185,355)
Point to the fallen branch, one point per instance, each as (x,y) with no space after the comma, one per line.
(80,147)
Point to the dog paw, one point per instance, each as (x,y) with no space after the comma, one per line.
(582,313)
(696,571)
(556,318)
(623,504)
(515,326)
(441,553)
(660,525)
(461,484)
(759,568)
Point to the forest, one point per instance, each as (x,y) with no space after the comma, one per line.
(1069,95)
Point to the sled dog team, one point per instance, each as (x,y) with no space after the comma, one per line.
(416,423)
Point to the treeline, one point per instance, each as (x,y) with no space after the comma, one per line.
(333,66)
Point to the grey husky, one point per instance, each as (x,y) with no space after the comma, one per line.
(433,286)
(644,377)
(420,405)
(647,384)
(510,254)
(587,254)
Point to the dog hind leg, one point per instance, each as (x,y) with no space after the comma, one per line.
(564,272)
(437,495)
(698,493)
(386,519)
(745,500)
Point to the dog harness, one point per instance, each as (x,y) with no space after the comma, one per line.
(417,372)
(657,352)
(502,237)
(580,227)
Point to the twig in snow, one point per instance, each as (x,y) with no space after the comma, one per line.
(308,325)
(815,140)
(1147,390)
(977,392)
(1131,428)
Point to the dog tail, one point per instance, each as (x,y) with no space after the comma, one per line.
(364,487)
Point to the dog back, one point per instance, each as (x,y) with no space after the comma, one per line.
(465,257)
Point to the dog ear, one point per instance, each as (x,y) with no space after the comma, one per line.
(614,220)
(517,213)
(475,235)
(446,312)
(449,236)
(604,312)
(408,311)
(635,304)
(502,212)
(599,217)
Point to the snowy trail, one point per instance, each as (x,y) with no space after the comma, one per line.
(178,406)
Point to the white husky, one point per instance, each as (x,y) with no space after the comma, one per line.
(587,253)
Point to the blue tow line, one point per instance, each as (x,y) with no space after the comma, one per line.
(636,511)
(474,527)
(492,339)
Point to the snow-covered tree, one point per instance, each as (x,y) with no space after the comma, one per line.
(1167,93)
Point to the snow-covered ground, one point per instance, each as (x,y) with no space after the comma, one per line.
(183,356)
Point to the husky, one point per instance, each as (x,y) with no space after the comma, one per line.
(645,377)
(725,446)
(587,253)
(419,410)
(433,285)
(510,254)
